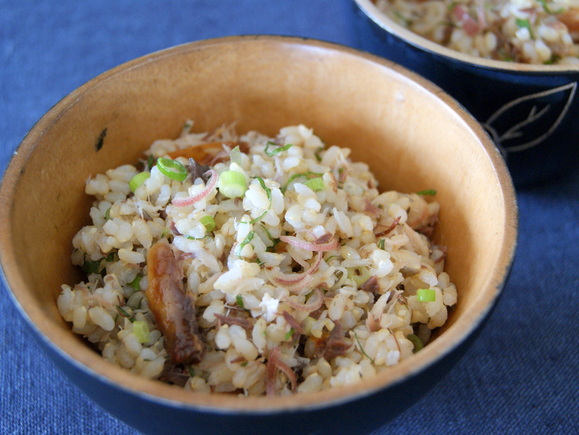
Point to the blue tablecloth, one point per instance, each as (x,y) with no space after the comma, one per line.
(521,376)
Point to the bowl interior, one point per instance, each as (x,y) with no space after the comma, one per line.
(412,136)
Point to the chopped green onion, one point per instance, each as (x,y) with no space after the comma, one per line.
(381,243)
(358,274)
(425,295)
(307,175)
(141,330)
(276,150)
(232,184)
(239,301)
(208,222)
(417,342)
(524,24)
(427,192)
(172,169)
(136,283)
(191,371)
(108,214)
(289,334)
(235,155)
(316,184)
(247,239)
(138,180)
(361,348)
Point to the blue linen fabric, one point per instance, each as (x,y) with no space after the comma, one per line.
(519,377)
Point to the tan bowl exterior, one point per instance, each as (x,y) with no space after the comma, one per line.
(411,134)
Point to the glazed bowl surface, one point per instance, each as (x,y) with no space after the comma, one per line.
(412,135)
(530,111)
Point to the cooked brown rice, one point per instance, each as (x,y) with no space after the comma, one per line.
(526,31)
(297,286)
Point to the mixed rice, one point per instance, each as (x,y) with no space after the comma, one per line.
(255,265)
(525,31)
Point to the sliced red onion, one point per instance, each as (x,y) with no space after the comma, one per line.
(275,363)
(185,201)
(314,303)
(310,246)
(299,277)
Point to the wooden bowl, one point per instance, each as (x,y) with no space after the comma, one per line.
(530,111)
(411,134)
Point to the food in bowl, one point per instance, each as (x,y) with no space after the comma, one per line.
(255,265)
(525,31)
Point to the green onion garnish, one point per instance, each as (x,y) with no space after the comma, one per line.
(289,334)
(361,348)
(191,371)
(276,150)
(108,214)
(316,184)
(425,295)
(172,169)
(358,274)
(239,301)
(141,330)
(235,155)
(381,243)
(307,175)
(417,342)
(247,239)
(427,192)
(232,184)
(136,283)
(208,222)
(138,180)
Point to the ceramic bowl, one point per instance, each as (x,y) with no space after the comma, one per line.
(391,118)
(530,111)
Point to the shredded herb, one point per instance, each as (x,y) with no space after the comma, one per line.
(547,9)
(381,243)
(247,239)
(268,193)
(317,154)
(124,313)
(427,192)
(90,266)
(276,150)
(524,24)
(239,301)
(150,162)
(417,342)
(108,214)
(289,334)
(361,348)
(191,371)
